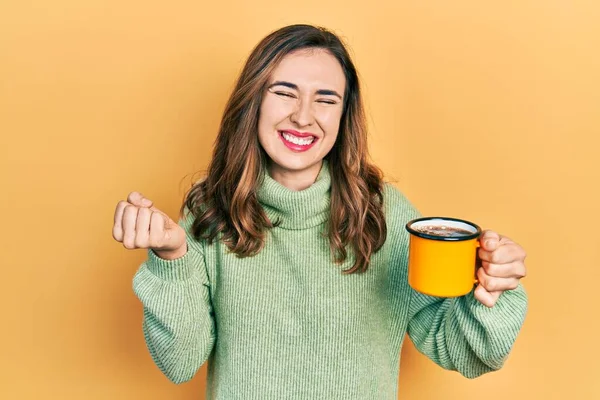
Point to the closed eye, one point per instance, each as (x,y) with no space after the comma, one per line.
(327,101)
(285,94)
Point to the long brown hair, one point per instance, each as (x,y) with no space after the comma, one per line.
(225,203)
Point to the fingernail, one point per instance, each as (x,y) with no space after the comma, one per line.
(490,243)
(146,202)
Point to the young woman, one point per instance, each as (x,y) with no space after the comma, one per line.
(288,268)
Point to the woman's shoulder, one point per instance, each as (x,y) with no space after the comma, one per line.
(392,194)
(397,207)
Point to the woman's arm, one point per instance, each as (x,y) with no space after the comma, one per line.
(463,335)
(178,321)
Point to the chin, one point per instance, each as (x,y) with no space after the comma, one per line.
(294,164)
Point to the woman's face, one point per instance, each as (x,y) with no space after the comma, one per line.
(301,111)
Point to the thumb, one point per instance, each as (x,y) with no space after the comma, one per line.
(138,199)
(489,240)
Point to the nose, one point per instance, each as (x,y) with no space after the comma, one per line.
(303,114)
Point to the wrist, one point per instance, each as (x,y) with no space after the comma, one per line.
(172,254)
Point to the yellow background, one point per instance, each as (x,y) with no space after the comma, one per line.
(483,110)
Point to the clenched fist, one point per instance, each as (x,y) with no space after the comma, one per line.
(140,225)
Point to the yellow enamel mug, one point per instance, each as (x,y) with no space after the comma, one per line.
(442,255)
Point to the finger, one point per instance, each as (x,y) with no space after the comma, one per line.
(157,230)
(486,298)
(515,269)
(494,284)
(503,254)
(129,223)
(142,228)
(118,226)
(138,199)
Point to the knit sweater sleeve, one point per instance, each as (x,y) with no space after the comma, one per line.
(459,334)
(178,323)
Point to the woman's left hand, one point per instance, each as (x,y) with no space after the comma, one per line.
(502,266)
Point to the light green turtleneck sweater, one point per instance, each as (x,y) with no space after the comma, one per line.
(287,324)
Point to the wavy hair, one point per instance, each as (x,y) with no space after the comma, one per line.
(225,203)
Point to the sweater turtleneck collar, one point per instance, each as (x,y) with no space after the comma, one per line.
(297,209)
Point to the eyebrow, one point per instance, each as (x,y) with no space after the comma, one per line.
(323,92)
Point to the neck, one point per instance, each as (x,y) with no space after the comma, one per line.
(295,180)
(297,209)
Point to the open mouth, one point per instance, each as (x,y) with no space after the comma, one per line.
(297,143)
(301,141)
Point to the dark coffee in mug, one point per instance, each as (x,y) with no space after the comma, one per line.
(442,230)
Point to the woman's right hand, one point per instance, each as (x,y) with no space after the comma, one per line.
(140,225)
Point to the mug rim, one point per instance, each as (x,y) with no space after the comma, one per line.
(443,238)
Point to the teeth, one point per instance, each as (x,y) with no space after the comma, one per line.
(297,140)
